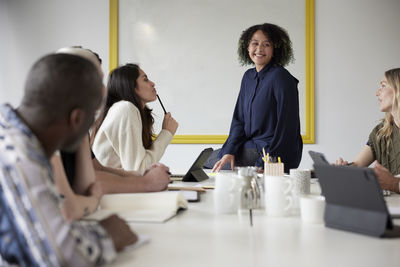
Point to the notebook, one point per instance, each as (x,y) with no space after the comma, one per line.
(155,207)
(354,201)
(195,172)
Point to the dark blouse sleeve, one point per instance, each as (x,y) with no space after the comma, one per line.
(286,141)
(236,133)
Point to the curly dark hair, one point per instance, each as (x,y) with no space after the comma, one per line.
(283,51)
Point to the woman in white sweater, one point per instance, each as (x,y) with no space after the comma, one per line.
(123,137)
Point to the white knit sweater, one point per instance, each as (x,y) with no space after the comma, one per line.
(118,142)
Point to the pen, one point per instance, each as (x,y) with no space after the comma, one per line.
(251,217)
(350,163)
(264,158)
(208,186)
(165,112)
(186,188)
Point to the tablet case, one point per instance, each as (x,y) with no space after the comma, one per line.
(354,200)
(196,173)
(318,158)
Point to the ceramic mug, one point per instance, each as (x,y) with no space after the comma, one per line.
(226,192)
(312,208)
(278,198)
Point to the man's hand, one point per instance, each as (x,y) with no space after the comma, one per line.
(157,177)
(119,231)
(225,159)
(385,178)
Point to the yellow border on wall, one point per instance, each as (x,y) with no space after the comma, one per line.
(308,137)
(113,63)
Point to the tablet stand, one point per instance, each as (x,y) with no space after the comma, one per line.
(195,176)
(367,222)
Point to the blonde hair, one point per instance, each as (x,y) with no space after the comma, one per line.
(393,78)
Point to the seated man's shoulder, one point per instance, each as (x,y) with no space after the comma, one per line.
(12,150)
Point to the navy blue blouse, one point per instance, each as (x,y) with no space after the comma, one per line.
(266,116)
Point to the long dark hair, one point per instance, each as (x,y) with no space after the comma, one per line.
(121,86)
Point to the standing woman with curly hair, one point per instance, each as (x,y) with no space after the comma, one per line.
(123,137)
(267,109)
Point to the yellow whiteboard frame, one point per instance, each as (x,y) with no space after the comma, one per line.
(308,137)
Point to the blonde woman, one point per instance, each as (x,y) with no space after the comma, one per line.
(384,141)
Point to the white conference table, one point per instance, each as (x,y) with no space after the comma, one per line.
(198,237)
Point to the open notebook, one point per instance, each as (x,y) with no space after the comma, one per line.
(141,207)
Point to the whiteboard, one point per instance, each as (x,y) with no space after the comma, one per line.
(189,49)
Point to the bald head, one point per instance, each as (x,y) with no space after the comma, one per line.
(59,83)
(85,53)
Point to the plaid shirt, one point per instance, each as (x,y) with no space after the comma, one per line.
(33,231)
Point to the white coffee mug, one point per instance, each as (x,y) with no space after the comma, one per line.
(312,208)
(226,192)
(278,199)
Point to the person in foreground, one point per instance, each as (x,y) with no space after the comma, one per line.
(82,180)
(266,114)
(123,138)
(383,144)
(33,231)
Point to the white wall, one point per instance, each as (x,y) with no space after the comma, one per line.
(155,34)
(355,42)
(31,29)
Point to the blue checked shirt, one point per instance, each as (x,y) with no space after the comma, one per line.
(33,231)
